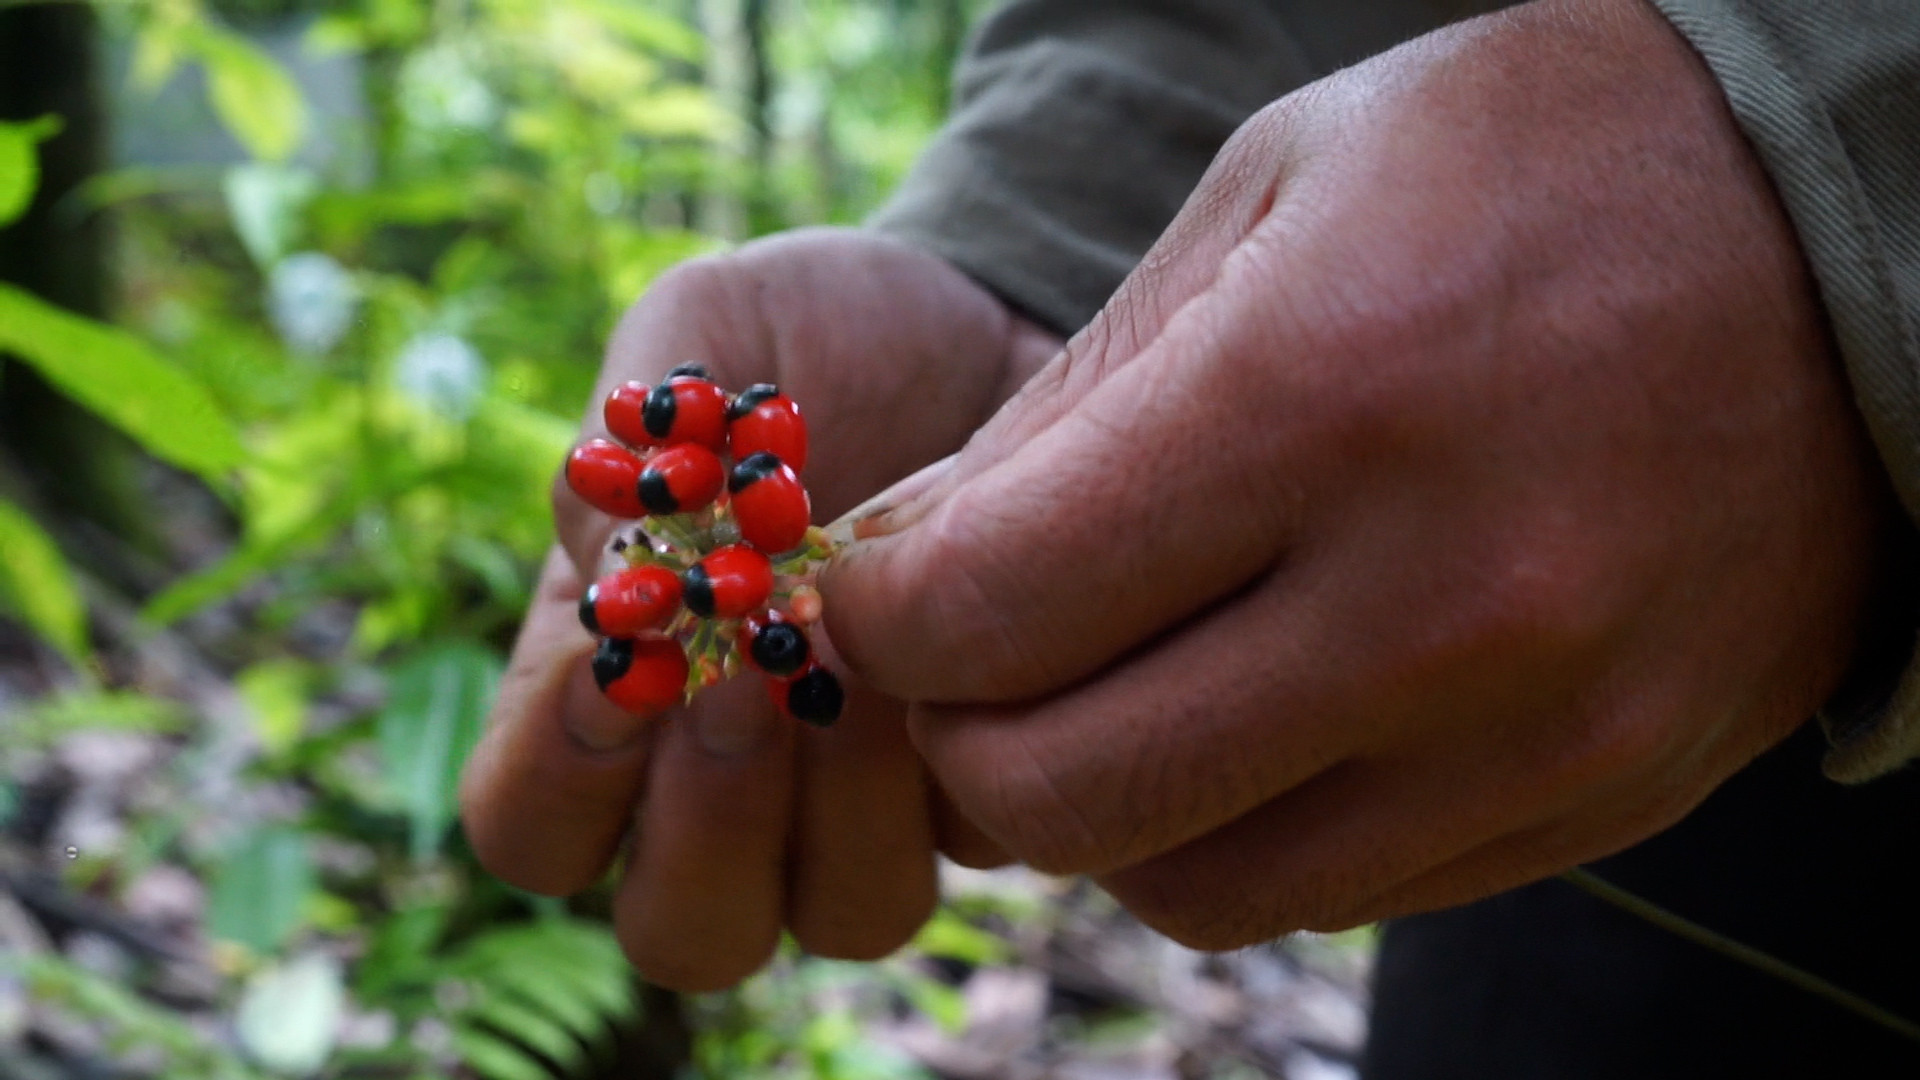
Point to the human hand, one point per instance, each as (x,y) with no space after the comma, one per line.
(1460,490)
(740,823)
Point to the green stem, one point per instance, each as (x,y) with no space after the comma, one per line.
(1745,954)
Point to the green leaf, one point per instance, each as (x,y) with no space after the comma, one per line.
(276,693)
(533,1028)
(496,1059)
(51,719)
(122,379)
(20,163)
(948,935)
(35,583)
(253,95)
(259,892)
(289,1012)
(438,704)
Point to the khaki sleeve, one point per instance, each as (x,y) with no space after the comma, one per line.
(1829,95)
(1080,127)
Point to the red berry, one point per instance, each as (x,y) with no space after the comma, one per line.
(644,676)
(606,476)
(814,695)
(682,409)
(761,419)
(630,601)
(622,413)
(730,582)
(769,503)
(681,479)
(773,643)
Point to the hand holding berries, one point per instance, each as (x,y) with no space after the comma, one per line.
(646,611)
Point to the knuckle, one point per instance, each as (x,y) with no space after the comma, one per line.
(1035,819)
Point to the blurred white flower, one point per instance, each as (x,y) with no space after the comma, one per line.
(311,301)
(441,372)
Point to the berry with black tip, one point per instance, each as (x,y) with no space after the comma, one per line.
(774,644)
(814,695)
(762,419)
(606,476)
(644,676)
(681,479)
(728,583)
(631,601)
(769,503)
(682,409)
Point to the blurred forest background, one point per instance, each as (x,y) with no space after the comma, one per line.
(300,301)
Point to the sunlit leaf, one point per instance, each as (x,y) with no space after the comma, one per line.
(438,702)
(276,694)
(122,379)
(36,585)
(259,891)
(53,718)
(949,936)
(20,163)
(254,96)
(531,1027)
(289,1012)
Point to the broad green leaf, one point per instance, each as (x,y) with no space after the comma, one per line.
(122,379)
(276,693)
(36,584)
(256,99)
(20,163)
(289,1012)
(259,892)
(438,701)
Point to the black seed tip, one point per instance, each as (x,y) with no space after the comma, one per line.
(692,371)
(611,660)
(656,415)
(587,617)
(780,649)
(655,495)
(744,402)
(696,591)
(816,697)
(751,468)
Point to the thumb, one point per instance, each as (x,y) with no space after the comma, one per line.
(972,579)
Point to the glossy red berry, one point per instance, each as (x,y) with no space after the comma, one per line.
(644,676)
(762,419)
(728,583)
(684,408)
(769,503)
(631,601)
(622,413)
(773,643)
(681,479)
(606,476)
(814,695)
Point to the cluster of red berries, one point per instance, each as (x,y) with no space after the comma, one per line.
(718,571)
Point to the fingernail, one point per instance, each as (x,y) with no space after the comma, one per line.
(732,723)
(592,720)
(895,508)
